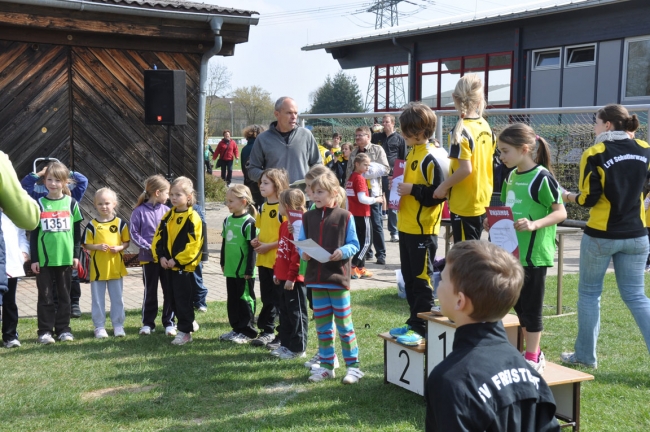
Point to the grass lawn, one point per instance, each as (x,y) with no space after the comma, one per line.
(144,383)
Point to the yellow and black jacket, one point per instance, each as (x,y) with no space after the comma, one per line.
(612,175)
(179,237)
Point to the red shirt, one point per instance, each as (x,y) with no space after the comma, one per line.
(227,150)
(355,184)
(287,261)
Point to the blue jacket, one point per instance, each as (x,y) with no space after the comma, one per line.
(38,190)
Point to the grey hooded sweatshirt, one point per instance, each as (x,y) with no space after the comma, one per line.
(295,154)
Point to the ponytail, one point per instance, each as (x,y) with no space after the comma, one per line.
(251,209)
(519,134)
(543,156)
(468,96)
(144,196)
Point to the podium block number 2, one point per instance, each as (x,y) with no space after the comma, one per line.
(406,367)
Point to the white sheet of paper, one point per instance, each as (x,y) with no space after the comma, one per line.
(503,234)
(313,249)
(394,198)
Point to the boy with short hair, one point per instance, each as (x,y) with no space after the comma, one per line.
(484,383)
(419,219)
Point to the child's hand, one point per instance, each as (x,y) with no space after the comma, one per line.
(288,285)
(36,268)
(263,248)
(115,249)
(171,263)
(276,280)
(524,224)
(255,242)
(440,192)
(379,200)
(247,277)
(404,189)
(486,225)
(305,257)
(75,263)
(103,247)
(41,173)
(337,255)
(25,257)
(163,263)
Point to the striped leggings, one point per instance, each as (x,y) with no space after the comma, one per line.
(332,306)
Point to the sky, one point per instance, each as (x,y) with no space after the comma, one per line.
(272,58)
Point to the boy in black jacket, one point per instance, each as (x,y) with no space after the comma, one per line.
(484,384)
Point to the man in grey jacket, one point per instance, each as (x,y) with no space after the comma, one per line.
(284,145)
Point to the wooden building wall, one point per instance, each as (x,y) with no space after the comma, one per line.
(85,107)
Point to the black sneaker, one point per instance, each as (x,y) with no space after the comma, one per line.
(263,339)
(274,344)
(381,261)
(75,311)
(369,256)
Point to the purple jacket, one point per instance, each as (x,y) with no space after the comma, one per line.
(144,222)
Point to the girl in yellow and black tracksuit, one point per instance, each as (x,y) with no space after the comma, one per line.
(177,246)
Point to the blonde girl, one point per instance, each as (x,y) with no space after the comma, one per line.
(177,246)
(333,229)
(536,201)
(313,172)
(293,299)
(144,221)
(238,264)
(55,246)
(106,236)
(272,182)
(472,147)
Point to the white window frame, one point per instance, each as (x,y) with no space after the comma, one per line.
(567,50)
(534,59)
(624,66)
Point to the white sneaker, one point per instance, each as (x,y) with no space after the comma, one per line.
(170,331)
(352,376)
(14,343)
(315,362)
(119,332)
(202,309)
(540,365)
(195,326)
(46,339)
(66,337)
(287,354)
(100,333)
(228,336)
(146,330)
(182,338)
(276,352)
(241,339)
(321,374)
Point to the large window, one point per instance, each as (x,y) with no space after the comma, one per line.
(437,79)
(391,87)
(636,68)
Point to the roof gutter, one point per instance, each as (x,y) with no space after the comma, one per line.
(84,5)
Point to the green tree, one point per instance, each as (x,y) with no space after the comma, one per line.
(255,102)
(340,94)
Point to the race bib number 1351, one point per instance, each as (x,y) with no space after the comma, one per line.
(55,221)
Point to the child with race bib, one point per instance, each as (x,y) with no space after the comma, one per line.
(536,201)
(238,264)
(106,236)
(55,245)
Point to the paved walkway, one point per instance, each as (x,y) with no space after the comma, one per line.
(384,276)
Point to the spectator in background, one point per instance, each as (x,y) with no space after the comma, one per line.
(336,145)
(284,145)
(227,152)
(250,133)
(341,164)
(395,148)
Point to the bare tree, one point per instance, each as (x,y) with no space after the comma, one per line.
(255,102)
(218,86)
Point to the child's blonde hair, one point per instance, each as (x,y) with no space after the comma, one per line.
(315,171)
(241,191)
(188,187)
(340,199)
(107,191)
(360,157)
(151,185)
(328,182)
(61,173)
(293,199)
(468,95)
(278,177)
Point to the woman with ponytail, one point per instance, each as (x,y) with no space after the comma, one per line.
(534,196)
(612,174)
(144,222)
(472,146)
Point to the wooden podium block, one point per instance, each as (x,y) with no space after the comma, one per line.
(404,365)
(441,331)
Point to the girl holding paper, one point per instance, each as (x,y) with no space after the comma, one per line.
(535,198)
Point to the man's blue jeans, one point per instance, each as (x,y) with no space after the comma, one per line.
(200,291)
(392,214)
(629,256)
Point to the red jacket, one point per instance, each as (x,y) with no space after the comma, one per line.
(287,261)
(227,150)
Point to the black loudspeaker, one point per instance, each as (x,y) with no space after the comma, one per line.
(165,97)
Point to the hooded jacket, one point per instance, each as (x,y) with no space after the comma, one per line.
(296,154)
